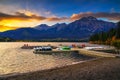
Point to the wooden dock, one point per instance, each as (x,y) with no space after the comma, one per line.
(54,51)
(81,51)
(97,54)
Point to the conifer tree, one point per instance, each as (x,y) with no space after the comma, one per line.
(118,31)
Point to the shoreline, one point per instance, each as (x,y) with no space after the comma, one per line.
(72,72)
(81,51)
(54,68)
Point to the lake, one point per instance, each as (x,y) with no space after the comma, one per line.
(13,59)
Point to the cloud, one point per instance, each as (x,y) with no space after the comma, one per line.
(30,19)
(24,19)
(80,15)
(109,16)
(21,16)
(29,16)
(57,19)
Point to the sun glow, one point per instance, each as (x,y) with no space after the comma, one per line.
(14,24)
(5,28)
(9,23)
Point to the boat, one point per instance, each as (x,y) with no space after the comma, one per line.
(49,50)
(97,47)
(64,48)
(43,48)
(26,46)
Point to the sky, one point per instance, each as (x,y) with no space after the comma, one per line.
(30,13)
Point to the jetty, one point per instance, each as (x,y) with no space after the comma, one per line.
(84,50)
(96,53)
(54,51)
(81,51)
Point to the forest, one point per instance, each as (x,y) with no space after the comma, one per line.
(112,37)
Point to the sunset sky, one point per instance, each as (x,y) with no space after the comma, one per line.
(29,13)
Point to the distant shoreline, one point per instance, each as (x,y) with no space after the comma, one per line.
(47,40)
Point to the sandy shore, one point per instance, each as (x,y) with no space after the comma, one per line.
(100,69)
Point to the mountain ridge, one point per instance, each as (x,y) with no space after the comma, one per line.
(78,29)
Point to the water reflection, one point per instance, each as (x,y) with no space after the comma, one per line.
(13,59)
(72,55)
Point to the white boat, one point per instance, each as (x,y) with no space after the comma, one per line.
(90,48)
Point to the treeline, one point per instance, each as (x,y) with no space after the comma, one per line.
(111,37)
(6,39)
(53,40)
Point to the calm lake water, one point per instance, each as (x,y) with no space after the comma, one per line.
(13,59)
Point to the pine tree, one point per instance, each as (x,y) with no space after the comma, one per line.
(118,31)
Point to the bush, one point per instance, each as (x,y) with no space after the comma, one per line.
(116,44)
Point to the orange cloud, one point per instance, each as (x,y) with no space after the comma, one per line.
(109,16)
(25,19)
(21,16)
(30,19)
(57,19)
(19,20)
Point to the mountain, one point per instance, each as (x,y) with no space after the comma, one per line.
(22,33)
(42,27)
(91,24)
(57,26)
(78,29)
(82,28)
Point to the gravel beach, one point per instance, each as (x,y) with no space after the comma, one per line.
(100,69)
